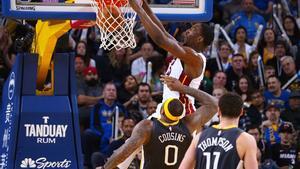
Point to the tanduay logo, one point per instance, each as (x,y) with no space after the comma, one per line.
(45,133)
(11,85)
(43,163)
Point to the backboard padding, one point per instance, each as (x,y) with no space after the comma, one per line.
(180,10)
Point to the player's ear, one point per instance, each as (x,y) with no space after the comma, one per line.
(200,39)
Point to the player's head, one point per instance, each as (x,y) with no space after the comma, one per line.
(199,36)
(231,105)
(172,109)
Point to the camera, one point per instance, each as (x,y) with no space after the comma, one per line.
(24,38)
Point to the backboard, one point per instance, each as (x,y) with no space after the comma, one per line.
(166,10)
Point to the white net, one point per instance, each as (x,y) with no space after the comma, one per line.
(115,23)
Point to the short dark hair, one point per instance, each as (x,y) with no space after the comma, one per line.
(129,118)
(253,126)
(144,84)
(283,43)
(207,34)
(268,67)
(110,83)
(231,105)
(237,55)
(79,56)
(272,76)
(255,91)
(175,107)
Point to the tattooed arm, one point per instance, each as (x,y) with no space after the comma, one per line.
(140,136)
(208,108)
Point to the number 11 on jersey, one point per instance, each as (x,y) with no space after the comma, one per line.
(209,159)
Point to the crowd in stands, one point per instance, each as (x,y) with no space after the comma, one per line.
(255,53)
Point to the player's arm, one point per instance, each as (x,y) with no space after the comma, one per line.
(159,37)
(209,104)
(154,18)
(140,135)
(189,160)
(247,150)
(208,108)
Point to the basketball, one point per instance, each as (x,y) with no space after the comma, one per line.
(111,18)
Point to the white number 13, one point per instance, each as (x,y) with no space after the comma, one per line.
(208,157)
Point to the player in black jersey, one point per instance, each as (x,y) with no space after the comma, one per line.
(166,140)
(223,146)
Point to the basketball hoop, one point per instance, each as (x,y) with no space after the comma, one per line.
(115,19)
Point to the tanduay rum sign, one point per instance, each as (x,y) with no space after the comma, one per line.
(40,131)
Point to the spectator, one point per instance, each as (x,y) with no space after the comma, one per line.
(257,108)
(230,9)
(244,88)
(281,49)
(206,85)
(241,46)
(248,19)
(98,158)
(293,113)
(81,49)
(269,71)
(127,89)
(217,93)
(285,153)
(219,80)
(139,65)
(235,72)
(264,7)
(253,114)
(292,30)
(253,69)
(89,93)
(271,125)
(275,94)
(218,14)
(267,44)
(7,53)
(79,67)
(293,7)
(158,68)
(6,57)
(224,54)
(113,66)
(288,71)
(138,103)
(151,107)
(140,39)
(98,136)
(256,133)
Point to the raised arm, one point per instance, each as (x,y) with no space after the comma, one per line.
(140,135)
(154,18)
(162,40)
(204,113)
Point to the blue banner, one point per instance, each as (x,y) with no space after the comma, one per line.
(39,131)
(10,116)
